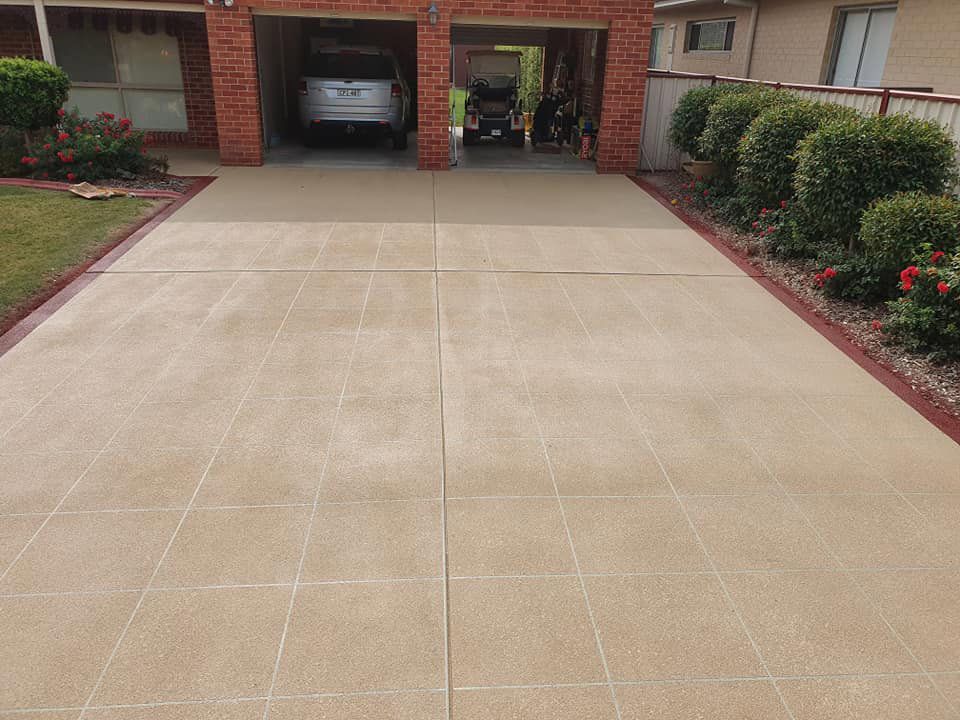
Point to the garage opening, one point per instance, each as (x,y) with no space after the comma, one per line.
(338,92)
(525,97)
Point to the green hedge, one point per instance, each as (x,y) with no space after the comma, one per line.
(728,120)
(31,92)
(690,116)
(766,152)
(848,163)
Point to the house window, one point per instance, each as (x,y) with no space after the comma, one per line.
(710,36)
(860,50)
(127,72)
(656,42)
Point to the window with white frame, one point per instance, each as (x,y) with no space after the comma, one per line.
(710,35)
(656,42)
(861,46)
(128,68)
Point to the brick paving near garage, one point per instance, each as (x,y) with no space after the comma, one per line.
(397,445)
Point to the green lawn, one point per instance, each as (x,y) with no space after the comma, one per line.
(44,233)
(459,95)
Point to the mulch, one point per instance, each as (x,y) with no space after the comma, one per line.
(939,383)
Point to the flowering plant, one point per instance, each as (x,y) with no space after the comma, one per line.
(87,149)
(926,318)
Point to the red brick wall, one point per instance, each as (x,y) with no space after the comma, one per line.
(197,83)
(18,32)
(433,94)
(234,66)
(236,88)
(624,85)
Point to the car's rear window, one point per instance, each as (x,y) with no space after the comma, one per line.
(354,66)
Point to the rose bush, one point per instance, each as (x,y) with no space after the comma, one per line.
(87,149)
(926,319)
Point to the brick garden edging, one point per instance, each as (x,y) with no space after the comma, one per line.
(892,380)
(71,283)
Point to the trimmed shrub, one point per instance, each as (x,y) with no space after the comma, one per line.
(690,116)
(31,92)
(11,150)
(892,232)
(927,318)
(728,120)
(766,152)
(848,163)
(84,149)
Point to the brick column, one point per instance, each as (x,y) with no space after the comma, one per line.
(433,91)
(624,86)
(236,89)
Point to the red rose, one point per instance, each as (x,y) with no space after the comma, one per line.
(877,325)
(829,273)
(46,146)
(943,288)
(706,193)
(783,204)
(756,224)
(907,284)
(61,112)
(818,279)
(63,136)
(935,258)
(764,211)
(71,177)
(771,229)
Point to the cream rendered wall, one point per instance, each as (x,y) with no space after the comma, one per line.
(714,63)
(793,41)
(925,47)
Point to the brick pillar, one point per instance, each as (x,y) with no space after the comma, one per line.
(433,91)
(624,86)
(236,89)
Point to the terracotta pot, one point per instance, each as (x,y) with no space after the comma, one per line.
(701,168)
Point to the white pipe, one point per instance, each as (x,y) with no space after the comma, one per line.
(46,43)
(754,6)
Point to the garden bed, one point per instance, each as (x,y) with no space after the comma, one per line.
(939,383)
(48,238)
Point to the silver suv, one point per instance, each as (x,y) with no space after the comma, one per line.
(354,90)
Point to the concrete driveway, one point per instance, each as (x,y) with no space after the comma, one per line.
(365,445)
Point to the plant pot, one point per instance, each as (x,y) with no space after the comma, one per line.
(701,168)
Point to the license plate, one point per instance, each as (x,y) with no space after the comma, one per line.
(348,93)
(496,133)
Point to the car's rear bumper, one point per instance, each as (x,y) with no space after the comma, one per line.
(349,127)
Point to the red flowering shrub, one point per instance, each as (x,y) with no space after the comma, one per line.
(87,149)
(927,317)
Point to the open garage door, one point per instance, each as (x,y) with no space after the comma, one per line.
(525,96)
(337,92)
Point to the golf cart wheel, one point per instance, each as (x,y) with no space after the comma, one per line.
(519,138)
(400,140)
(470,137)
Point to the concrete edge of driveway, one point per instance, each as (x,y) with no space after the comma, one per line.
(82,275)
(891,379)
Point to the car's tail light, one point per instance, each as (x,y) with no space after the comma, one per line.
(396,90)
(302,87)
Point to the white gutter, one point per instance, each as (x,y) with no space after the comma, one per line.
(754,6)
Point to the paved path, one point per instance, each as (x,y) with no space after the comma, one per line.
(354,445)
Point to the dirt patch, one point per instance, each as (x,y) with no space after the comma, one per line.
(939,383)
